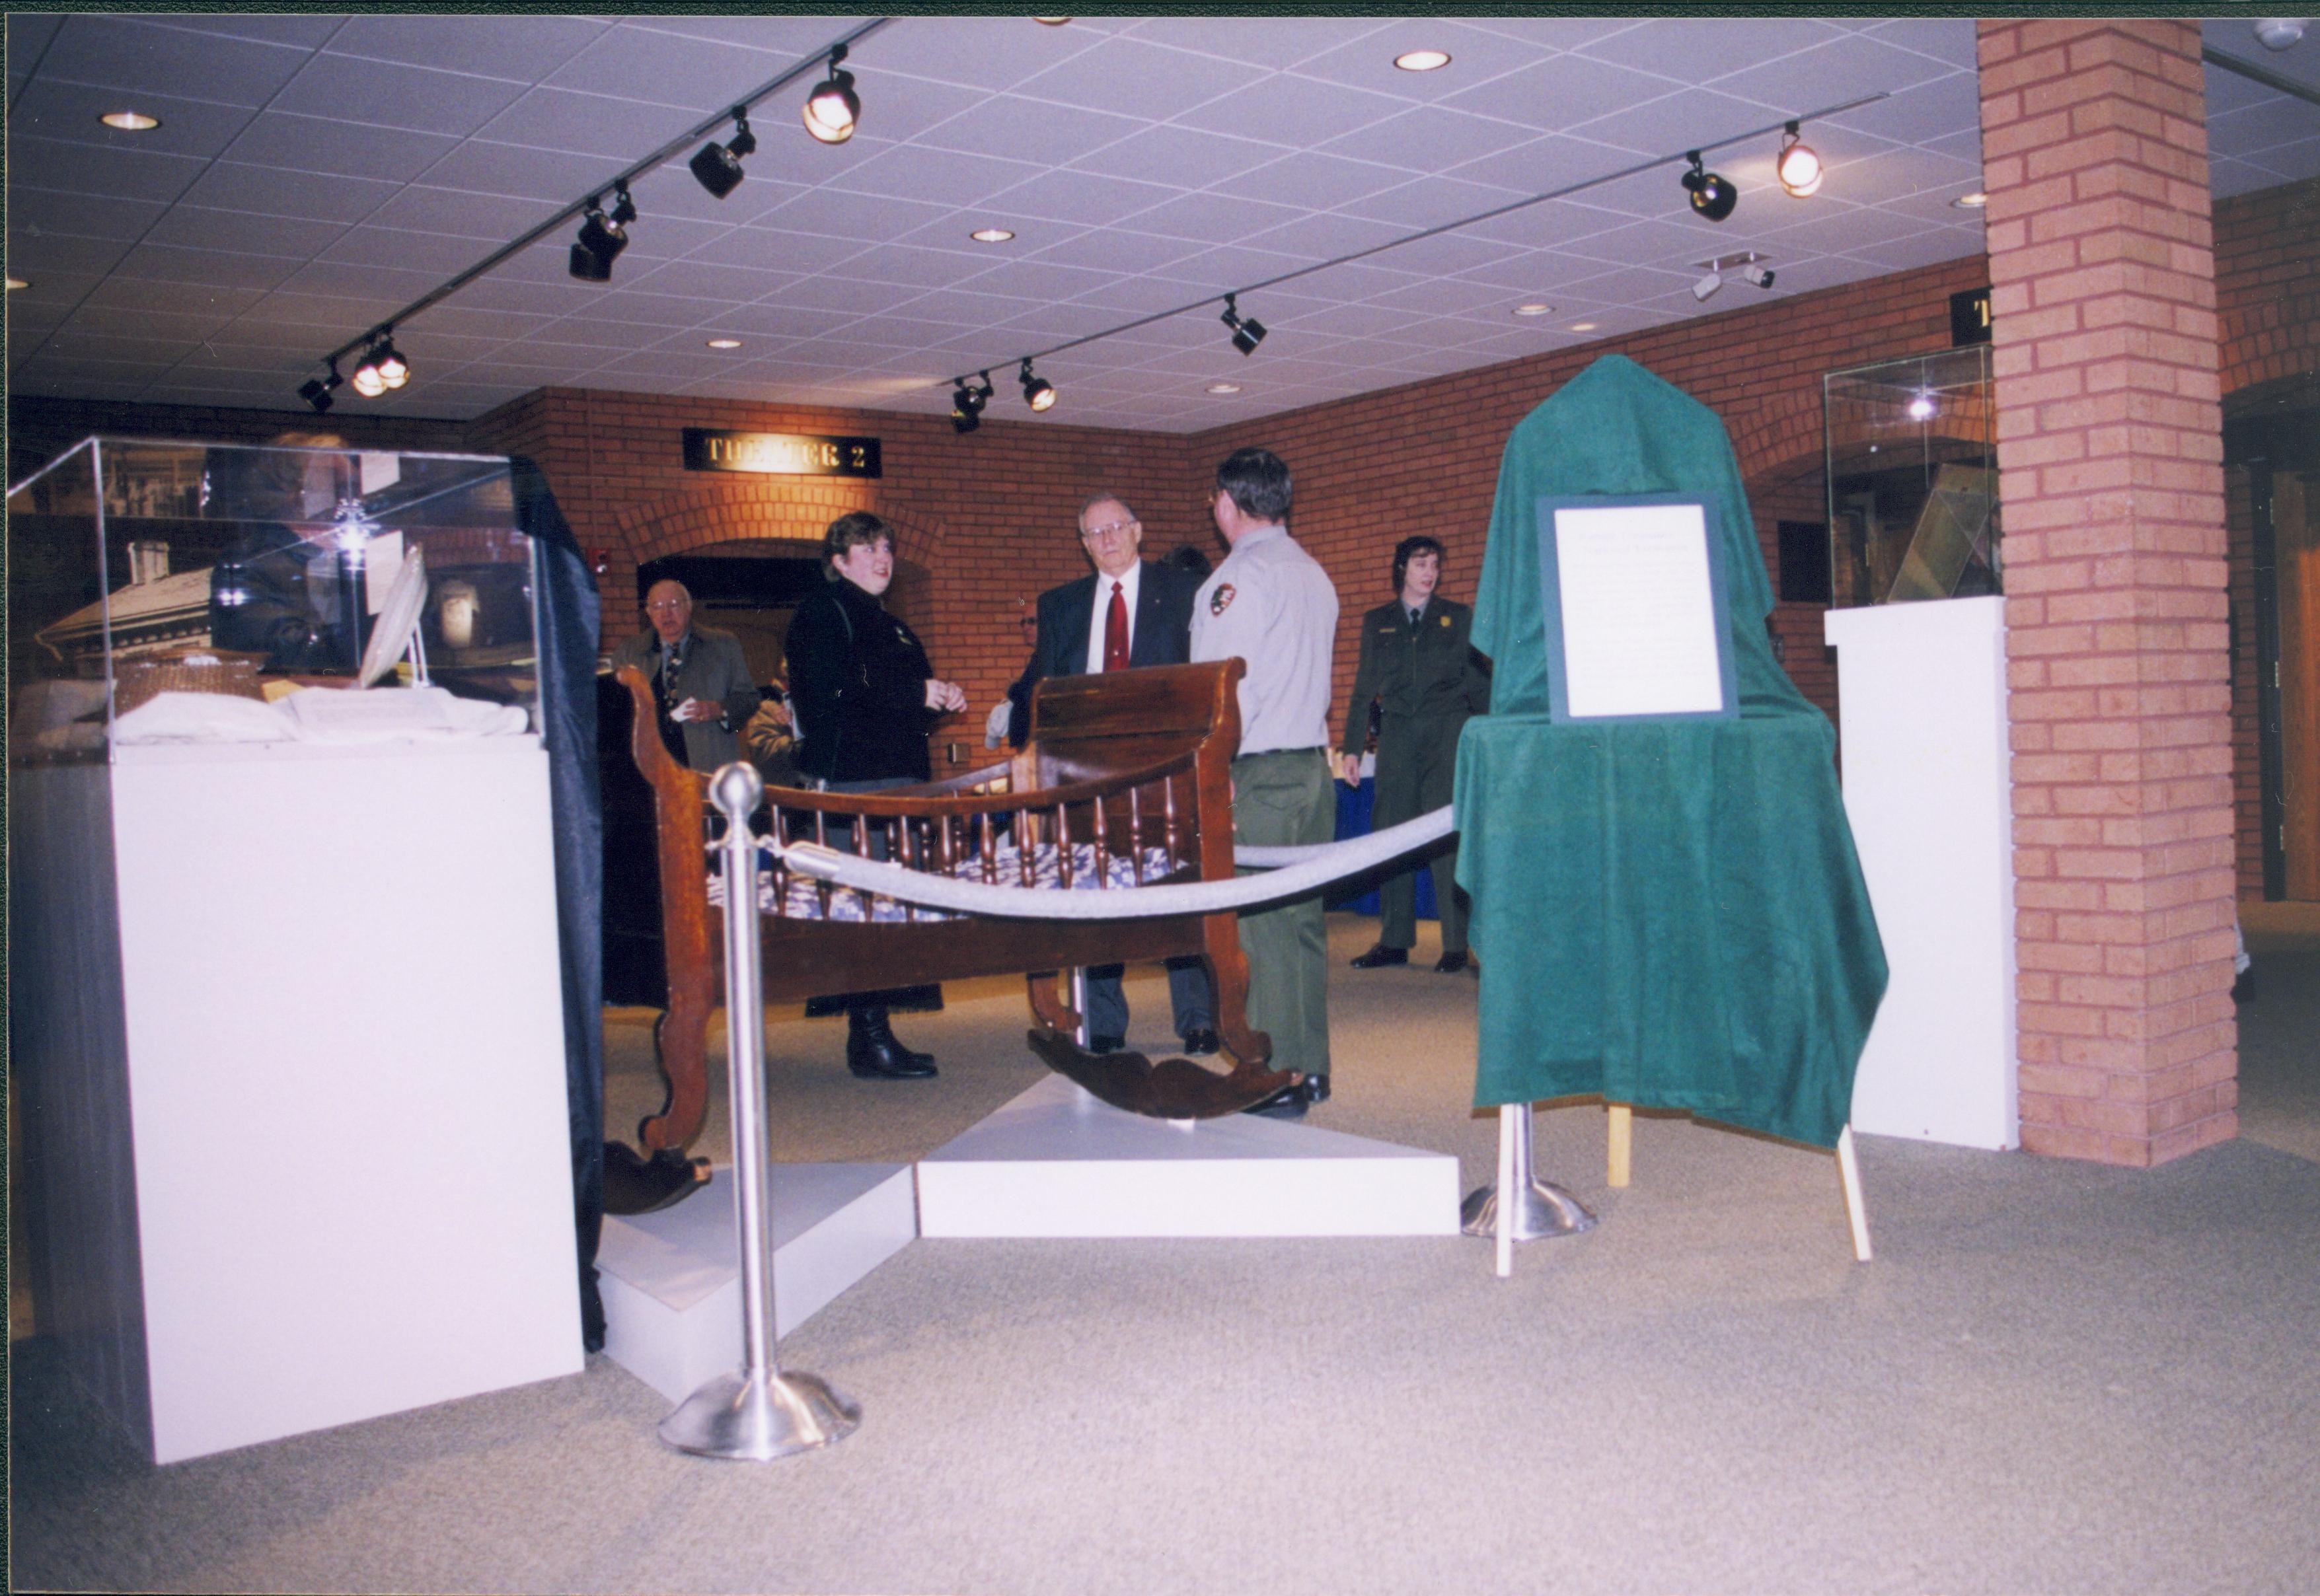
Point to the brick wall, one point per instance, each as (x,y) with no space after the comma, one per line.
(2094,155)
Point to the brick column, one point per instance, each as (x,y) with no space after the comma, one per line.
(2102,273)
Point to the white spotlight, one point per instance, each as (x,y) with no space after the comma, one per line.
(1757,276)
(2279,32)
(1707,285)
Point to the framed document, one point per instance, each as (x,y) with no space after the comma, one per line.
(1635,608)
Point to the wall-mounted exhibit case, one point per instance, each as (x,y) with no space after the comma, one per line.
(287,1026)
(1921,695)
(1912,480)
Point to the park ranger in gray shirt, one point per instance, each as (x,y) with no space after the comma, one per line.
(1271,605)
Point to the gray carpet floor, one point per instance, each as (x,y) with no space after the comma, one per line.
(2054,1377)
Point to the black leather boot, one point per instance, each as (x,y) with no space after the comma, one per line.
(873,1053)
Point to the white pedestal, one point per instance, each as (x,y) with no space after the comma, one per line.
(672,1280)
(1921,692)
(1057,1162)
(320,1171)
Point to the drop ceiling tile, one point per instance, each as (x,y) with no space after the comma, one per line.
(839,294)
(1135,78)
(479,165)
(985,53)
(1704,50)
(1429,139)
(1184,157)
(90,169)
(866,219)
(485,218)
(1235,266)
(1307,179)
(712,283)
(1536,274)
(1916,250)
(237,186)
(1945,39)
(1131,296)
(672,192)
(1039,280)
(935,177)
(355,279)
(199,227)
(1939,108)
(771,249)
(1553,96)
(1291,110)
(34,213)
(598,335)
(1035,130)
(1447,254)
(307,32)
(441,255)
(121,53)
(640,63)
(339,316)
(793,36)
(1088,198)
(28,34)
(1832,72)
(54,257)
(1271,43)
(69,111)
(1442,297)
(162,263)
(1543,166)
(520,49)
(617,131)
(479,321)
(1207,217)
(187,299)
(496,291)
(1327,235)
(762,321)
(2253,133)
(1430,201)
(322,144)
(1116,249)
(384,93)
(1830,230)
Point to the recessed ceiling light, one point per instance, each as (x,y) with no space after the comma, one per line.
(1535,307)
(1584,326)
(991,235)
(1224,387)
(16,283)
(1422,61)
(130,122)
(1971,202)
(1052,21)
(724,343)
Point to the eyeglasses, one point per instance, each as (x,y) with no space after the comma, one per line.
(1112,529)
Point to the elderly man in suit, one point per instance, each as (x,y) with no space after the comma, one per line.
(1128,612)
(705,694)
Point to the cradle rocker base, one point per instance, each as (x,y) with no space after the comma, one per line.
(637,1185)
(1170,1089)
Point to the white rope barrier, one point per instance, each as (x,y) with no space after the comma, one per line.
(1299,870)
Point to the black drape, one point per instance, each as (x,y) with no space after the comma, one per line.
(571,629)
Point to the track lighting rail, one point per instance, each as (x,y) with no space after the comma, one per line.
(1564,193)
(814,63)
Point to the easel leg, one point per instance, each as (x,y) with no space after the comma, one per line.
(1850,1171)
(1622,1132)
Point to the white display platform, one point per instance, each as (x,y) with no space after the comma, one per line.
(1057,1162)
(343,1186)
(1921,697)
(672,1280)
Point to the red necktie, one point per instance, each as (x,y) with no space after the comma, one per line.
(1115,632)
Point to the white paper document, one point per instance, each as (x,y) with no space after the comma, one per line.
(1638,611)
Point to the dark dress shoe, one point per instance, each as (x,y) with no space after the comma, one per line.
(1451,963)
(874,1052)
(1106,1044)
(1199,1043)
(1380,956)
(1317,1089)
(1287,1104)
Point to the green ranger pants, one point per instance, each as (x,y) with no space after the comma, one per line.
(1283,800)
(1417,769)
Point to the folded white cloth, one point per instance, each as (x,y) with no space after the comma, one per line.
(204,718)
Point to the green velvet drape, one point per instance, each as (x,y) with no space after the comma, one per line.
(1669,913)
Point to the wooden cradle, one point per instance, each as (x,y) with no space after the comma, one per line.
(1132,765)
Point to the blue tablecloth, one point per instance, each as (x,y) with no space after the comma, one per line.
(1361,896)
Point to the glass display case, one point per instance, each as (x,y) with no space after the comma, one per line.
(140,566)
(1912,480)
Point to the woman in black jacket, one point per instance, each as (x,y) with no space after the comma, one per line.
(864,697)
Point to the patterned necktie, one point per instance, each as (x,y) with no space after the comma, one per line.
(1115,632)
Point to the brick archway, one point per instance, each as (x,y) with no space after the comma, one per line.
(1781,430)
(774,510)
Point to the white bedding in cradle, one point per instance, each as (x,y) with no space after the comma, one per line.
(805,894)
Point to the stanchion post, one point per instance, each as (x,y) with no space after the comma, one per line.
(758,1413)
(1540,1209)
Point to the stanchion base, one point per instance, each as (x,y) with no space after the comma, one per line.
(1548,1210)
(755,1420)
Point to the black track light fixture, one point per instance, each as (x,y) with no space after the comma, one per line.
(1712,194)
(1248,331)
(316,391)
(833,108)
(1038,392)
(966,404)
(718,166)
(601,236)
